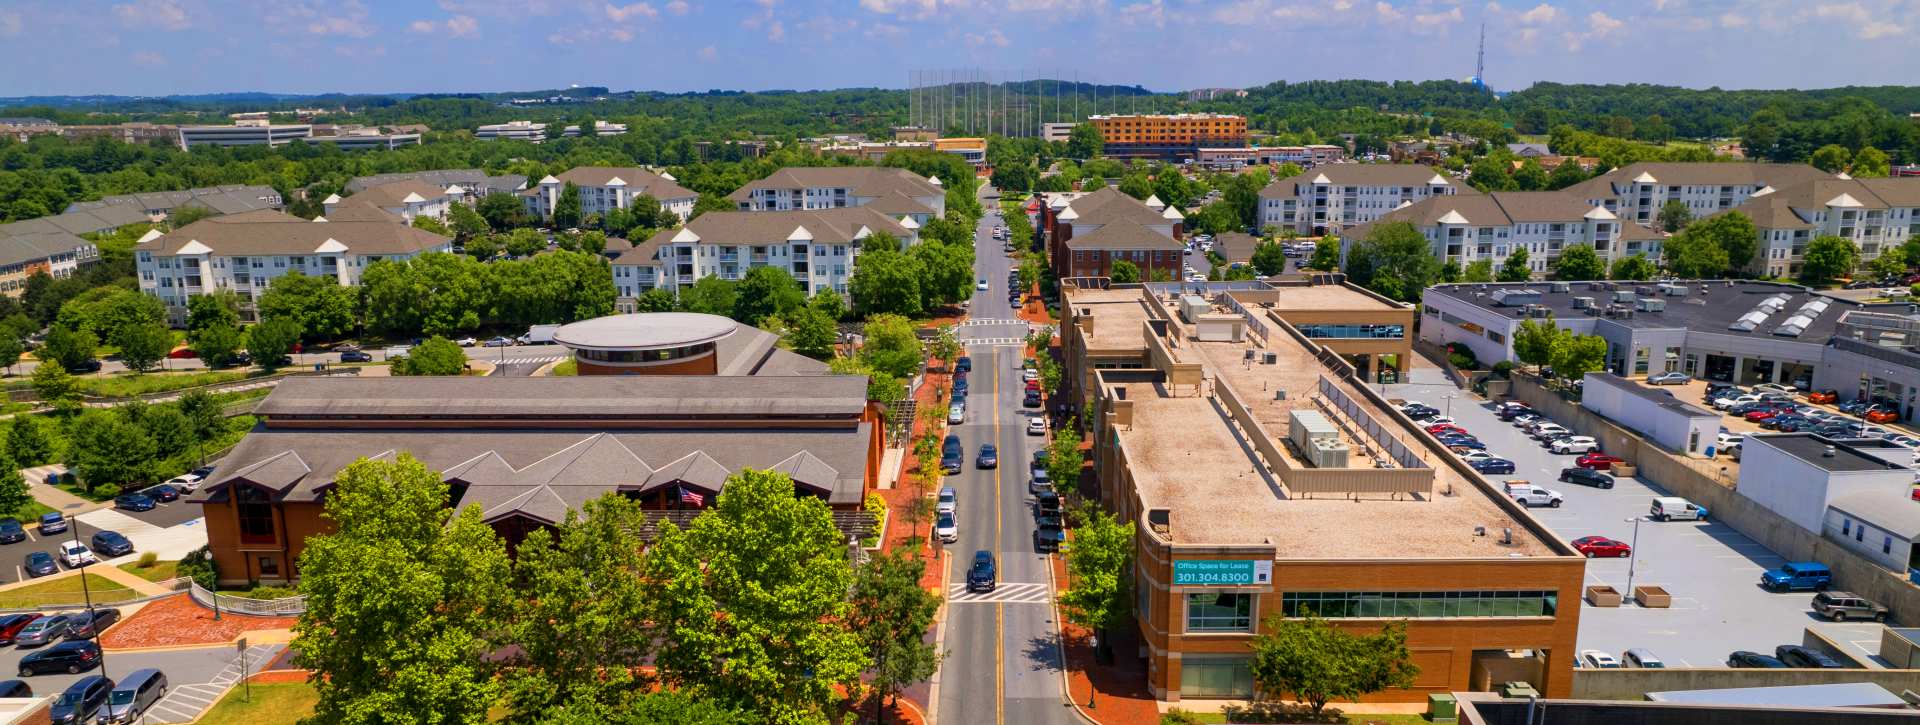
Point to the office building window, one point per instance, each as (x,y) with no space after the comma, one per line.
(1219,612)
(1401,605)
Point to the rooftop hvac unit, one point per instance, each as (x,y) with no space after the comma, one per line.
(1623,295)
(1674,290)
(1539,311)
(1583,303)
(1192,307)
(1644,291)
(1306,426)
(1272,358)
(1650,305)
(1515,297)
(1327,453)
(1562,287)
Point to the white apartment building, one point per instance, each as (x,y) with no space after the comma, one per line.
(246,252)
(817,247)
(1466,228)
(1636,192)
(1875,214)
(605,188)
(402,199)
(247,134)
(1328,199)
(894,192)
(513,130)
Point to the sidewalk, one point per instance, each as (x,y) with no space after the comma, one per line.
(55,498)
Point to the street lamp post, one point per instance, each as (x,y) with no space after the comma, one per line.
(1633,552)
(214,592)
(86,592)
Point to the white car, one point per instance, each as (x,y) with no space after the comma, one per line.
(1575,444)
(1438,420)
(946,527)
(1036,426)
(1473,455)
(1029,375)
(1725,440)
(186,481)
(981,286)
(956,414)
(1774,387)
(1550,431)
(466,342)
(1725,403)
(75,554)
(1596,658)
(949,501)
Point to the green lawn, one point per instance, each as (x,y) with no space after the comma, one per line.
(124,384)
(32,510)
(565,368)
(266,704)
(65,591)
(159,572)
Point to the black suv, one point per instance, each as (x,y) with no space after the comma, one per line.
(1585,477)
(980,576)
(1744,658)
(952,455)
(11,532)
(72,657)
(1807,657)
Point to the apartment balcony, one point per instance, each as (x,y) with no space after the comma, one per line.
(757,259)
(729,257)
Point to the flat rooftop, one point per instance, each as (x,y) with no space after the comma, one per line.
(1707,306)
(1328,297)
(1812,449)
(1117,316)
(1659,396)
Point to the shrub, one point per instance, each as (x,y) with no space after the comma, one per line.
(148,560)
(1461,357)
(269,592)
(195,564)
(1177,716)
(1503,369)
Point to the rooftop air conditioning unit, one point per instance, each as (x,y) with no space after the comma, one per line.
(1540,311)
(1623,296)
(1583,303)
(1676,290)
(1272,358)
(1650,305)
(1562,287)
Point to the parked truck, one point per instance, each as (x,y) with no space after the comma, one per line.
(1530,495)
(538,335)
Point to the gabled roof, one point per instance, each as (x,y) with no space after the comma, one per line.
(1362,175)
(1125,234)
(1702,173)
(1108,205)
(896,203)
(1792,207)
(397,194)
(842,225)
(694,469)
(636,180)
(269,232)
(867,181)
(476,181)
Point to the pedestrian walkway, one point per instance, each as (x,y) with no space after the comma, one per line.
(185,703)
(1004,593)
(55,498)
(980,322)
(995,341)
(522,360)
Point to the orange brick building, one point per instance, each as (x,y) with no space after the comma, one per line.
(1179,135)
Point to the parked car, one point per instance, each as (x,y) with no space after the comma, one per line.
(1674,378)
(111,543)
(1526,418)
(85,625)
(1493,466)
(134,502)
(1438,428)
(951,454)
(188,481)
(11,624)
(946,528)
(1785,422)
(1550,431)
(39,564)
(1046,503)
(1037,426)
(1596,658)
(1641,659)
(1032,399)
(1440,420)
(948,500)
(1842,606)
(1464,443)
(981,575)
(162,493)
(1530,495)
(1586,477)
(963,364)
(1040,459)
(1744,658)
(466,342)
(1806,657)
(989,457)
(1823,396)
(1880,414)
(1040,482)
(75,554)
(498,342)
(81,701)
(959,386)
(11,532)
(956,414)
(1797,575)
(52,523)
(1598,461)
(133,695)
(1602,547)
(1575,444)
(72,658)
(1047,539)
(1475,455)
(45,630)
(1773,387)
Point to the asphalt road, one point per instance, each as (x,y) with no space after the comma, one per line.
(194,676)
(1002,648)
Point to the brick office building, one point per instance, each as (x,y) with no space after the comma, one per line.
(1085,233)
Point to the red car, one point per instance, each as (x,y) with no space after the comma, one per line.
(1761,415)
(1033,385)
(1445,428)
(11,624)
(1597,461)
(1601,546)
(1823,396)
(1879,414)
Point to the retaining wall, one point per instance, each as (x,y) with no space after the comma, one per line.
(1634,684)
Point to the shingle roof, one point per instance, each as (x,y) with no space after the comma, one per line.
(637,180)
(1500,208)
(826,226)
(1698,173)
(475,181)
(604,398)
(868,181)
(226,199)
(1904,191)
(1108,205)
(1775,209)
(396,193)
(1125,234)
(1237,247)
(273,232)
(896,203)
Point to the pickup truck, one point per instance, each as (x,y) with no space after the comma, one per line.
(1797,575)
(1530,495)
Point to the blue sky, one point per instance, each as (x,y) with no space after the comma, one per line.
(154,47)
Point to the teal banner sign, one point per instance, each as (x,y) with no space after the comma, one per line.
(1200,572)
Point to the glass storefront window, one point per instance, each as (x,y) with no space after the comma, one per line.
(1420,605)
(1219,612)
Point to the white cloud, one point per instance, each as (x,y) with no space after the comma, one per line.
(708,53)
(1601,25)
(1152,12)
(498,8)
(147,57)
(1387,12)
(1867,25)
(1540,15)
(10,23)
(776,32)
(1429,20)
(992,37)
(678,7)
(886,31)
(463,26)
(313,17)
(421,27)
(620,14)
(578,36)
(1055,6)
(1734,20)
(349,51)
(161,14)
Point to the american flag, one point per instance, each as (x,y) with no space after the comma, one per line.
(690,497)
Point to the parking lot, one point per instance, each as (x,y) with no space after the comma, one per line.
(167,521)
(195,676)
(1711,571)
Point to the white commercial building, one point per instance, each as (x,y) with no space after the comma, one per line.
(818,247)
(1798,475)
(1654,414)
(606,188)
(1330,198)
(250,134)
(513,130)
(1880,523)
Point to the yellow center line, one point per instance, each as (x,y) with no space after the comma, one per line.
(999,637)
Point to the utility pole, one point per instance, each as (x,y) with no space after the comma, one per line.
(1480,59)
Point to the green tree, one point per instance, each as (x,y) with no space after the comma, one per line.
(1136,185)
(431,225)
(1534,341)
(402,600)
(657,299)
(711,295)
(67,347)
(829,303)
(221,307)
(1694,256)
(1099,593)
(891,346)
(1870,163)
(203,414)
(1515,269)
(1394,260)
(1064,459)
(945,346)
(566,211)
(1326,255)
(1084,142)
(946,271)
(1530,176)
(106,448)
(1316,662)
(1891,262)
(1269,258)
(1830,158)
(10,351)
(811,332)
(325,309)
(748,602)
(27,441)
(1489,174)
(53,385)
(215,345)
(1827,258)
(182,216)
(766,292)
(436,356)
(169,429)
(1576,355)
(485,246)
(1733,232)
(466,223)
(144,345)
(1124,272)
(502,211)
(1480,270)
(1566,174)
(887,282)
(1674,216)
(576,616)
(1450,272)
(524,242)
(271,340)
(14,494)
(1579,262)
(1636,267)
(891,614)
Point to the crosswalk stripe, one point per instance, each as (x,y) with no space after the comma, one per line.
(526,360)
(1004,593)
(994,341)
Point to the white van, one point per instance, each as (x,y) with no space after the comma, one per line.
(1674,508)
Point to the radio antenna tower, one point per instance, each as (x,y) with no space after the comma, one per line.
(1480,60)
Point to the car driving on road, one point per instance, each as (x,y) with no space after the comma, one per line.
(981,575)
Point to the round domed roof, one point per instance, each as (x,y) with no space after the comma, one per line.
(645,331)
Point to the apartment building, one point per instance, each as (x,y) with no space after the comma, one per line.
(527,451)
(606,188)
(244,134)
(245,252)
(894,192)
(1176,136)
(1636,192)
(22,128)
(1466,228)
(405,200)
(475,181)
(1328,199)
(1265,479)
(157,205)
(817,246)
(1874,214)
(45,245)
(1086,232)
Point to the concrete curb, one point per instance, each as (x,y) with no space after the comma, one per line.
(1060,648)
(931,715)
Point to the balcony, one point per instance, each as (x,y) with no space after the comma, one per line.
(729,256)
(757,259)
